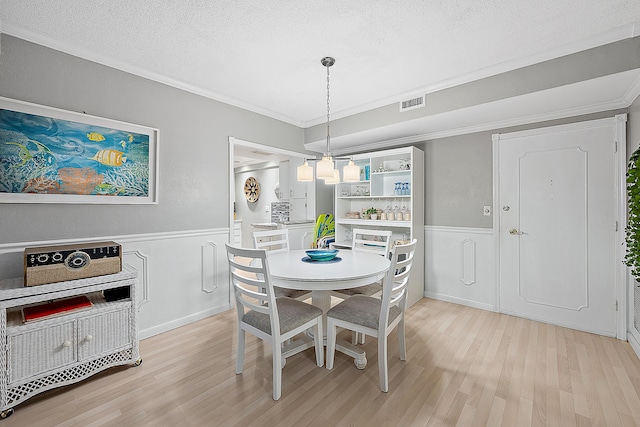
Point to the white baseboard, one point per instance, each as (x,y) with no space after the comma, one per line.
(460,301)
(176,323)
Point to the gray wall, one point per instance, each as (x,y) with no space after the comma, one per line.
(459,173)
(194,149)
(458,170)
(193,146)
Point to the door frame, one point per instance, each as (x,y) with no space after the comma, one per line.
(619,129)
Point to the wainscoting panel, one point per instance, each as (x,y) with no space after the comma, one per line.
(460,266)
(182,276)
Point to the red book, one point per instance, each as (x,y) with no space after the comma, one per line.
(55,308)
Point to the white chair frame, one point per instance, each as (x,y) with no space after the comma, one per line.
(374,241)
(394,294)
(246,277)
(275,241)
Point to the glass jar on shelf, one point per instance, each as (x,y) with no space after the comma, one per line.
(397,213)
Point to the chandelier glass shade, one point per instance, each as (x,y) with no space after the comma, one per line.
(351,172)
(304,173)
(324,168)
(335,179)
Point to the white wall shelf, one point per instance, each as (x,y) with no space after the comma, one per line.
(392,174)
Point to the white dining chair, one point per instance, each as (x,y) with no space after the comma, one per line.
(376,317)
(270,318)
(373,241)
(275,241)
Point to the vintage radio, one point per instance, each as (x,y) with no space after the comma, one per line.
(50,264)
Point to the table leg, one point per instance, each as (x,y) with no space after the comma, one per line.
(322,299)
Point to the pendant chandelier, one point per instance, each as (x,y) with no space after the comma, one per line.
(325,167)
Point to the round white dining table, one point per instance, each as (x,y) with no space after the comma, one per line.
(355,268)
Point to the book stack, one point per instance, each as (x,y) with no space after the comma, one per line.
(55,308)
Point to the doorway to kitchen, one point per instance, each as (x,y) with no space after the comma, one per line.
(264,192)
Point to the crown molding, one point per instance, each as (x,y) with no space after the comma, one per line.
(36,37)
(632,93)
(614,35)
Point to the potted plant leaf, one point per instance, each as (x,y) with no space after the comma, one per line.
(371,213)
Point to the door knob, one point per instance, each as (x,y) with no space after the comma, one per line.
(513,231)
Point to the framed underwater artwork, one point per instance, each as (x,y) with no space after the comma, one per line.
(48,155)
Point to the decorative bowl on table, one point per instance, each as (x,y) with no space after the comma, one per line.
(322,254)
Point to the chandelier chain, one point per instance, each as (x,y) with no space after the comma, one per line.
(328,143)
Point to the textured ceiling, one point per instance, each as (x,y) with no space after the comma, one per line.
(265,55)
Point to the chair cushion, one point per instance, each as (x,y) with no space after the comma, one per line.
(292,313)
(362,290)
(291,293)
(361,310)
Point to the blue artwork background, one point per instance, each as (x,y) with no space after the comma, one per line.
(41,154)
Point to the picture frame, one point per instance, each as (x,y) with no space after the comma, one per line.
(50,155)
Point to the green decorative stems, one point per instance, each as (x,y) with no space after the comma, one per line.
(632,258)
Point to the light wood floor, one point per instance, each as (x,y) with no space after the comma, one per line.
(465,367)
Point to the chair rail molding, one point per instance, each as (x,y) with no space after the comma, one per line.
(182,276)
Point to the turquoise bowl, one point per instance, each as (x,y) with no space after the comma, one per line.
(322,254)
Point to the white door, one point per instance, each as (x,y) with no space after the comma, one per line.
(558,195)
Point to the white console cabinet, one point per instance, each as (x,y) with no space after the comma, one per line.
(394,186)
(43,354)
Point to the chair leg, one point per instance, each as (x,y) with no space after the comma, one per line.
(277,371)
(331,343)
(401,340)
(382,363)
(240,351)
(319,342)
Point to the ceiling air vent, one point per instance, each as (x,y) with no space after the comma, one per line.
(412,104)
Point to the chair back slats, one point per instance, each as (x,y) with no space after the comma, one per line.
(248,269)
(374,241)
(273,241)
(394,289)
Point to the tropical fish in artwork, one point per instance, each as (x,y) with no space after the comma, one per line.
(95,136)
(42,156)
(110,157)
(130,138)
(123,143)
(24,153)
